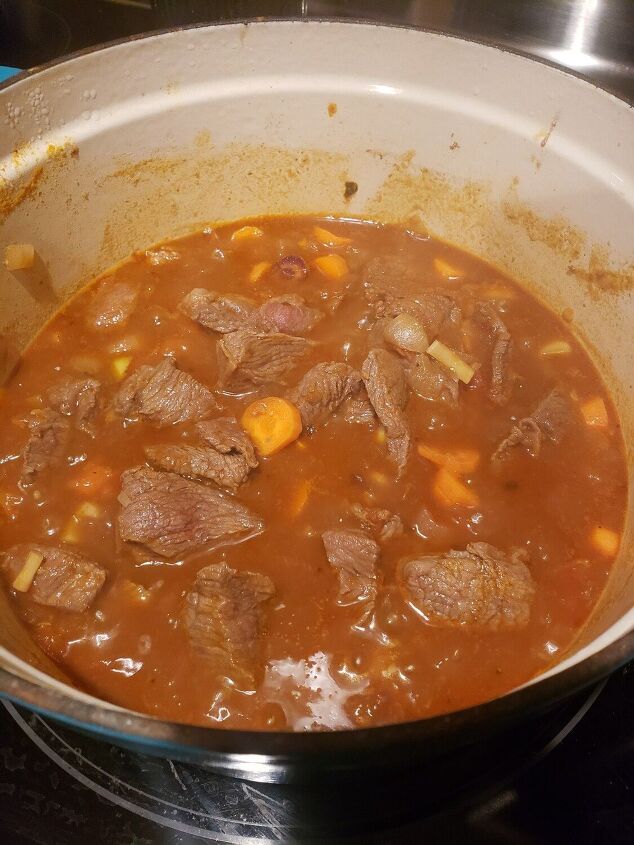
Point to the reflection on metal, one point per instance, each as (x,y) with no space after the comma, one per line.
(577,42)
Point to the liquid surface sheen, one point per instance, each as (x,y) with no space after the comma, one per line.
(335,603)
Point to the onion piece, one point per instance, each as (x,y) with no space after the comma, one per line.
(25,576)
(19,256)
(448,358)
(405,332)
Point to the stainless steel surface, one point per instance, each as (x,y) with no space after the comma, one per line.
(591,37)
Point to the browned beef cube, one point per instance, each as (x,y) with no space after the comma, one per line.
(112,304)
(358,410)
(383,524)
(224,614)
(78,397)
(393,288)
(480,587)
(248,358)
(64,579)
(288,314)
(322,390)
(501,382)
(355,556)
(174,517)
(225,455)
(49,434)
(387,388)
(164,394)
(220,312)
(550,419)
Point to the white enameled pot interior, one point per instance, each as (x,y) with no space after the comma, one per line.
(526,166)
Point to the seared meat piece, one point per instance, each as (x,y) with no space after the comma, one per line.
(225,454)
(393,288)
(64,579)
(501,382)
(288,314)
(49,434)
(224,614)
(358,409)
(355,556)
(79,397)
(322,390)
(430,380)
(220,312)
(379,521)
(164,394)
(247,358)
(480,587)
(173,516)
(111,304)
(387,388)
(550,419)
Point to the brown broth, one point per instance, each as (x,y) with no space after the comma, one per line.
(327,674)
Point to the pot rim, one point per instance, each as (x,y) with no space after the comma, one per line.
(276,746)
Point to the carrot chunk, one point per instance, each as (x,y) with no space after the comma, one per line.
(258,270)
(333,266)
(329,238)
(595,413)
(272,424)
(450,491)
(444,268)
(246,233)
(300,497)
(457,461)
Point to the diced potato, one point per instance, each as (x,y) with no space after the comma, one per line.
(88,510)
(329,238)
(70,534)
(25,576)
(458,461)
(447,270)
(380,435)
(448,358)
(19,256)
(120,366)
(450,491)
(554,348)
(595,413)
(605,541)
(272,423)
(300,497)
(333,266)
(258,270)
(246,233)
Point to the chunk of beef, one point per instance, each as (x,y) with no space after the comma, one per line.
(355,556)
(550,419)
(164,394)
(387,389)
(78,397)
(481,587)
(431,381)
(174,517)
(49,434)
(322,390)
(288,314)
(111,305)
(225,454)
(248,358)
(220,312)
(64,579)
(501,382)
(383,524)
(358,410)
(224,614)
(393,288)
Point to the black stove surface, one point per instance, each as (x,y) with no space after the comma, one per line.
(568,778)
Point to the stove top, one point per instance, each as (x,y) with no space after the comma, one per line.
(569,777)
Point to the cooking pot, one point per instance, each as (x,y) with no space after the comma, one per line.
(529,167)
